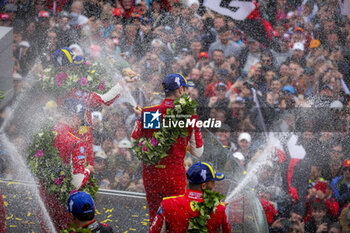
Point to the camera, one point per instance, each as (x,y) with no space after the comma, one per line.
(233,66)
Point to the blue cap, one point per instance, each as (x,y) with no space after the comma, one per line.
(74,106)
(288,88)
(65,57)
(203,172)
(175,81)
(80,203)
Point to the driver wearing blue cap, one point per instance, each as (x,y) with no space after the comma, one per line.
(168,177)
(82,207)
(175,212)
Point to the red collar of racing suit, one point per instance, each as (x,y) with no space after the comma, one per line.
(168,103)
(87,224)
(194,194)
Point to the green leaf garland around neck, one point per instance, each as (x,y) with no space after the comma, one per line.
(211,199)
(152,150)
(85,77)
(73,228)
(47,166)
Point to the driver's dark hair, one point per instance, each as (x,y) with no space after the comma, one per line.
(86,217)
(193,186)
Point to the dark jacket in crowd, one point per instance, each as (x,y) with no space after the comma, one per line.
(341,191)
(310,227)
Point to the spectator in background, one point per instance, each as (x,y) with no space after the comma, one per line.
(224,136)
(203,60)
(298,54)
(340,187)
(335,228)
(250,55)
(51,45)
(43,26)
(319,221)
(229,47)
(322,192)
(77,20)
(196,49)
(5,20)
(275,88)
(219,99)
(267,61)
(65,34)
(218,58)
(244,141)
(92,8)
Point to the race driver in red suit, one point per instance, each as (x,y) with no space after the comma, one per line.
(72,150)
(175,212)
(65,58)
(168,177)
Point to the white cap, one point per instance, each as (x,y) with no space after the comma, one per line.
(238,155)
(124,144)
(298,46)
(336,104)
(24,43)
(79,51)
(245,136)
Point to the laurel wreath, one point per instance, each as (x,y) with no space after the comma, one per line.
(47,166)
(152,150)
(85,77)
(211,199)
(73,228)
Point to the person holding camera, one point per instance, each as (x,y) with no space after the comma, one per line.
(319,221)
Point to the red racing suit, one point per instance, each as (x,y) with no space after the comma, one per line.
(175,212)
(91,100)
(72,151)
(168,177)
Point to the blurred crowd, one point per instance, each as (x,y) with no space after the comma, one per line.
(250,87)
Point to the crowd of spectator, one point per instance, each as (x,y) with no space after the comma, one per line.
(251,88)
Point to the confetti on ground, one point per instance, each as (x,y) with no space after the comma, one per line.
(107,220)
(9,183)
(109,210)
(126,220)
(147,220)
